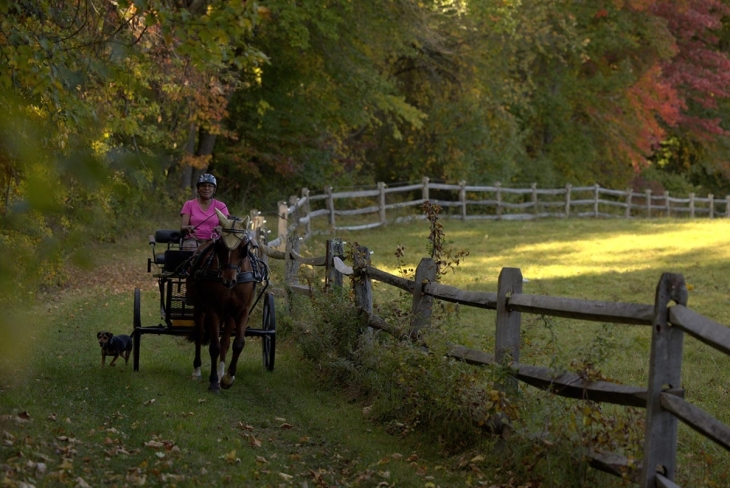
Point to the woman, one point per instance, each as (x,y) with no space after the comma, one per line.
(199,219)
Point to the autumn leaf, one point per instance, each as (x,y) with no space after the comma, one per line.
(231,457)
(254,441)
(80,483)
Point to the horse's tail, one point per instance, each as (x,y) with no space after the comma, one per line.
(201,334)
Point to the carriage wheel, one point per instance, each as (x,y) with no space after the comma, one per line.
(137,308)
(268,341)
(136,335)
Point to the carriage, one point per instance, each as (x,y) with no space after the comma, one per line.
(170,265)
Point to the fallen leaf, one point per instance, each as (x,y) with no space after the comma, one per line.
(149,402)
(285,426)
(24,415)
(80,483)
(477,459)
(52,416)
(397,456)
(254,441)
(285,477)
(154,444)
(279,419)
(202,400)
(261,459)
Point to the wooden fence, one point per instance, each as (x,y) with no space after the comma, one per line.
(669,318)
(496,202)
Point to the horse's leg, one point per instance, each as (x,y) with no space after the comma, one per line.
(199,324)
(215,350)
(225,344)
(238,344)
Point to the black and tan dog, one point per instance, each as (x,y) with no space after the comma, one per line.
(115,346)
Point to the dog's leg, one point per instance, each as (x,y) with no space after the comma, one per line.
(114,360)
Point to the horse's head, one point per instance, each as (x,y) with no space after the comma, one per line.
(231,248)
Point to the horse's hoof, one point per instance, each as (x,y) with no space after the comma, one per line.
(195,377)
(214,389)
(227,381)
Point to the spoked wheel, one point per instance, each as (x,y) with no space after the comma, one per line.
(136,334)
(137,308)
(268,340)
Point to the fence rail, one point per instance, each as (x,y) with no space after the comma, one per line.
(669,318)
(496,202)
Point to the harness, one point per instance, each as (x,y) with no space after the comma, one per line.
(202,267)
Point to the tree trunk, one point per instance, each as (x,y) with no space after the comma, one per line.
(186,180)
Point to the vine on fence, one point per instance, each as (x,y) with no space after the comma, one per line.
(445,258)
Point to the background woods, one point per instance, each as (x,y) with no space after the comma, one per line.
(109,110)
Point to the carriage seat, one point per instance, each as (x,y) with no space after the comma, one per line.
(172,256)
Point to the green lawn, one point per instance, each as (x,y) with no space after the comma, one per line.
(66,421)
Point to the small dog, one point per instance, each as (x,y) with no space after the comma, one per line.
(111,345)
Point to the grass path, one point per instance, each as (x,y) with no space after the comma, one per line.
(67,422)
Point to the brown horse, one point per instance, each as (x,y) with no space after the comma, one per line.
(221,286)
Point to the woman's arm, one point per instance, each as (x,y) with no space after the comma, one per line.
(185,226)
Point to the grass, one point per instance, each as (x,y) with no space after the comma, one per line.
(66,421)
(89,425)
(611,260)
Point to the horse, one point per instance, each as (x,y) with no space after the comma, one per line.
(221,285)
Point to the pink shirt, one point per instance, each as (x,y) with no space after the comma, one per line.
(204,222)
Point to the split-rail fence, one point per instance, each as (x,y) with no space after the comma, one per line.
(669,319)
(468,202)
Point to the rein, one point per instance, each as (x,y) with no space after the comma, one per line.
(204,269)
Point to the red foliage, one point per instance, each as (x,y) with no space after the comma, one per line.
(699,72)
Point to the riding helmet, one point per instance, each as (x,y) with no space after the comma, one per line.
(207,178)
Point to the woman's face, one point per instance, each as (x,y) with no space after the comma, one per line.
(206,190)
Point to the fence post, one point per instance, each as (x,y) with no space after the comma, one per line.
(283,224)
(330,207)
(507,339)
(666,202)
(534,199)
(727,206)
(381,201)
(567,199)
(711,197)
(629,194)
(361,281)
(333,277)
(647,192)
(291,265)
(665,368)
(499,200)
(305,213)
(256,222)
(692,205)
(596,194)
(462,198)
(424,191)
(422,304)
